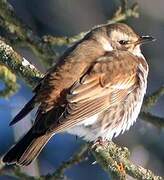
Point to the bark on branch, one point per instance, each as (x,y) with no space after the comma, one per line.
(22,34)
(18,65)
(111,157)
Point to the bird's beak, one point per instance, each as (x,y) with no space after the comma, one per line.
(145,39)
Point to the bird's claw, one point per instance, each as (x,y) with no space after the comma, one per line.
(101,142)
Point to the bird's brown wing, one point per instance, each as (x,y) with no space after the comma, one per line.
(70,67)
(108,82)
(49,92)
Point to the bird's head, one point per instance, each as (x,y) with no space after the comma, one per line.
(120,36)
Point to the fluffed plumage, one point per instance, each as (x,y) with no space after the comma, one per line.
(90,92)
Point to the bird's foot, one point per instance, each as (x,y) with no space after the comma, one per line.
(100,142)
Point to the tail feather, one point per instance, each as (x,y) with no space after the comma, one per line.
(26,109)
(27,149)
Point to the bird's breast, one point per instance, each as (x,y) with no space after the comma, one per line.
(118,118)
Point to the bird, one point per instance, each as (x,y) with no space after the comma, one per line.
(95,90)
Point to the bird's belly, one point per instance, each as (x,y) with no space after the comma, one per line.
(113,121)
(91,131)
(120,124)
(85,129)
(118,118)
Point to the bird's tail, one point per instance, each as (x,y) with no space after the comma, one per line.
(27,149)
(26,109)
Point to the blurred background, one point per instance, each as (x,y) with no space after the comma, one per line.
(67,18)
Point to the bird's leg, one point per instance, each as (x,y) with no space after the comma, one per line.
(100,141)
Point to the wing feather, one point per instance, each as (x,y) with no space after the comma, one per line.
(98,90)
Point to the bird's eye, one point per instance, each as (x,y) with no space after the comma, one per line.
(123,42)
